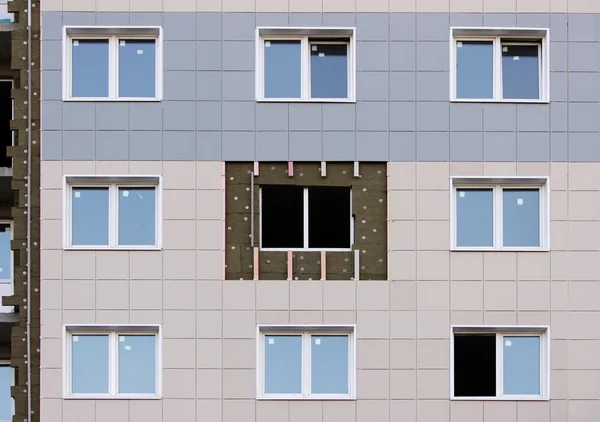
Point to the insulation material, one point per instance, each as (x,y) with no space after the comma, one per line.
(369,205)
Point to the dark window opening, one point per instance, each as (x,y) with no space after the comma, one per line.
(6,115)
(328,217)
(282,217)
(474,365)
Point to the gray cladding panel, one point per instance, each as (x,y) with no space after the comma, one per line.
(402,111)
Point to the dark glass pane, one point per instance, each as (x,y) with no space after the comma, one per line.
(89,216)
(282,218)
(329,71)
(89,68)
(282,69)
(521,217)
(474,69)
(474,217)
(328,217)
(329,365)
(283,364)
(520,72)
(137,68)
(90,364)
(137,216)
(522,365)
(137,364)
(474,365)
(6,381)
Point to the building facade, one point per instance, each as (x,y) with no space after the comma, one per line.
(321,210)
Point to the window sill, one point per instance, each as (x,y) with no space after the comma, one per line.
(513,398)
(309,100)
(510,101)
(306,250)
(120,397)
(456,249)
(296,398)
(107,248)
(108,100)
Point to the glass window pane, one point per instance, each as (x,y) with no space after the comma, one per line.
(282,69)
(329,70)
(5,252)
(89,364)
(90,68)
(521,217)
(520,72)
(137,68)
(474,217)
(474,69)
(137,216)
(89,216)
(522,365)
(137,364)
(6,401)
(283,364)
(329,365)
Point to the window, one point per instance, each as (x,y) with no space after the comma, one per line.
(305,64)
(297,218)
(7,403)
(510,213)
(499,65)
(112,362)
(113,212)
(306,363)
(5,16)
(113,64)
(507,363)
(6,275)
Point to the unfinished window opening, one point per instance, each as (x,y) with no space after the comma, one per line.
(6,115)
(500,363)
(296,218)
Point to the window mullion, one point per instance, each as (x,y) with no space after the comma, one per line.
(304,68)
(498,218)
(112,58)
(112,364)
(499,365)
(114,215)
(498,68)
(306,222)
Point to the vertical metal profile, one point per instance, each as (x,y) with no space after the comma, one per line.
(252,209)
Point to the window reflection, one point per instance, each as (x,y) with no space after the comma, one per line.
(474,69)
(282,69)
(329,70)
(520,71)
(137,68)
(90,68)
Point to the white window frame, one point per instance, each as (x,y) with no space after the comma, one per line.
(112,183)
(113,34)
(501,331)
(306,227)
(306,331)
(6,363)
(498,185)
(306,36)
(500,37)
(113,332)
(10,280)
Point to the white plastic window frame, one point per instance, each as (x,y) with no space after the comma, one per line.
(306,228)
(542,184)
(543,332)
(6,363)
(306,332)
(113,36)
(311,36)
(113,332)
(113,187)
(500,38)
(11,275)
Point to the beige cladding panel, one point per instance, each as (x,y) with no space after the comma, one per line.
(344,6)
(403,324)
